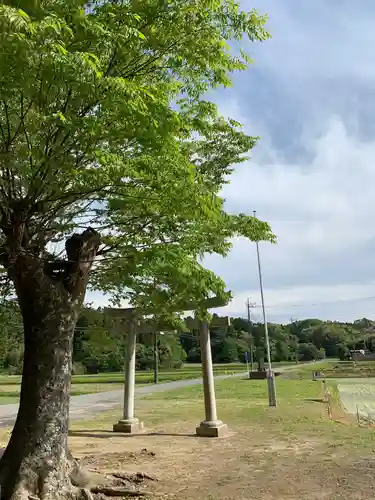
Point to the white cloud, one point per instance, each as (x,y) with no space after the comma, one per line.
(335,302)
(324,203)
(318,39)
(322,211)
(310,96)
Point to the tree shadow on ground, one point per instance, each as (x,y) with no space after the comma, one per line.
(103,434)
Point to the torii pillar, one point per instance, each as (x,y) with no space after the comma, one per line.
(129,424)
(211,426)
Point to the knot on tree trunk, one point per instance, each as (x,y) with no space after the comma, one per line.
(81,250)
(84,245)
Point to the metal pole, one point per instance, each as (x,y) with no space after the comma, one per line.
(270,375)
(156,359)
(251,353)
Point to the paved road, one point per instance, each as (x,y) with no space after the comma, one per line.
(87,405)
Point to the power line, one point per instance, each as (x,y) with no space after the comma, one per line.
(317,304)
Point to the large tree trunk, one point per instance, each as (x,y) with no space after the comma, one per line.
(36,462)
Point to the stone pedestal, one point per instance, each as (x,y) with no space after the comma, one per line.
(213,429)
(129,426)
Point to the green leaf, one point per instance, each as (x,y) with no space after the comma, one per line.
(104,123)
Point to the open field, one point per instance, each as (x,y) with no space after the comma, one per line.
(357,397)
(304,370)
(333,368)
(353,384)
(10,393)
(142,376)
(292,452)
(102,382)
(348,369)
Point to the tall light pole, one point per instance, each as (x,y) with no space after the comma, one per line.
(270,375)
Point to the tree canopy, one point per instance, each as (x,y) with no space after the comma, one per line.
(112,161)
(104,124)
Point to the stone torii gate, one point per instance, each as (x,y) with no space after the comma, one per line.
(211,426)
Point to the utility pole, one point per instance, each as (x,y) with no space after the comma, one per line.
(270,375)
(249,306)
(293,320)
(156,358)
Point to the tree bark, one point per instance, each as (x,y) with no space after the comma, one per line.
(36,462)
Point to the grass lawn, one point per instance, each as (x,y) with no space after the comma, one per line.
(353,384)
(290,452)
(348,369)
(87,384)
(305,370)
(358,371)
(10,393)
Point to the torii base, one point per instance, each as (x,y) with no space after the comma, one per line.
(212,429)
(131,426)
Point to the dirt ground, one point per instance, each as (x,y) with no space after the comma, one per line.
(292,452)
(244,465)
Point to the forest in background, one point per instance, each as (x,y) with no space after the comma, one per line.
(99,347)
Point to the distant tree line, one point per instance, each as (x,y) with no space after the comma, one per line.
(99,347)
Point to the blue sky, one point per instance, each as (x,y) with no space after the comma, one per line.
(310,95)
